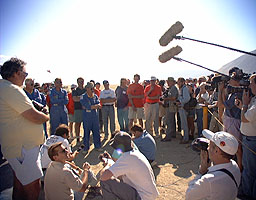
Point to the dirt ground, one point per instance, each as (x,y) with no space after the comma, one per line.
(176,166)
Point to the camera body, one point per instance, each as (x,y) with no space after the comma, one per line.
(199,144)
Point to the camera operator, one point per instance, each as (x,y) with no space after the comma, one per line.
(221,180)
(248,127)
(232,114)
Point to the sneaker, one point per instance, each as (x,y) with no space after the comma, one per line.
(154,163)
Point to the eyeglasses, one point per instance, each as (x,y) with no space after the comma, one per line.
(63,150)
(25,73)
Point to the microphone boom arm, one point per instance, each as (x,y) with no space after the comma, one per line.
(240,51)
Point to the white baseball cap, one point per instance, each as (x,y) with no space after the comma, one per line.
(225,141)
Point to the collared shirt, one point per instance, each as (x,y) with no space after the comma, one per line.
(215,185)
(15,130)
(157,91)
(58,98)
(184,95)
(108,94)
(249,128)
(147,145)
(60,181)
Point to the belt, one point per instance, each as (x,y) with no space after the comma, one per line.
(55,104)
(108,105)
(152,103)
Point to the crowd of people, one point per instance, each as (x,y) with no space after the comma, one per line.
(145,111)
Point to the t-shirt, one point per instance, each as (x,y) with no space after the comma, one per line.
(49,142)
(60,181)
(249,128)
(136,89)
(121,97)
(107,94)
(78,92)
(147,145)
(15,130)
(156,91)
(136,171)
(70,105)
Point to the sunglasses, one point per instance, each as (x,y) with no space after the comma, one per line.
(63,150)
(25,73)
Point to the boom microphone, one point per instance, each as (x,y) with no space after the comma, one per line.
(164,57)
(171,33)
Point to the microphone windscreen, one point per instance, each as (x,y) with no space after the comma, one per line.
(171,33)
(164,57)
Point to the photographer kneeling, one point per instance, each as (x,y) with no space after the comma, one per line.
(221,180)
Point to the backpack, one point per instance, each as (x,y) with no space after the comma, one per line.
(191,104)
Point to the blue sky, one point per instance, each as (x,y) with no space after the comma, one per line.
(116,38)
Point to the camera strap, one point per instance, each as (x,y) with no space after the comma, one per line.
(228,173)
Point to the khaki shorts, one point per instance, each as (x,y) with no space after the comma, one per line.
(138,114)
(78,116)
(28,167)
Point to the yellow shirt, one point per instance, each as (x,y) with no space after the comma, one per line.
(15,130)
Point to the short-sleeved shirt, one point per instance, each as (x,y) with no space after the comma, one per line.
(15,130)
(156,91)
(249,128)
(215,184)
(231,110)
(59,182)
(107,94)
(121,97)
(78,92)
(136,89)
(147,145)
(136,172)
(173,92)
(49,142)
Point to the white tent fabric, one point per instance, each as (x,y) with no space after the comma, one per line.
(245,62)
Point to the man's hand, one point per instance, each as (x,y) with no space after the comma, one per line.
(246,98)
(204,162)
(86,166)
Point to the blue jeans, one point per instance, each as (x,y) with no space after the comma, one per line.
(248,180)
(108,113)
(199,121)
(184,123)
(122,115)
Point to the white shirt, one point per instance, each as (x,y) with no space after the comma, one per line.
(215,185)
(108,94)
(136,172)
(204,96)
(249,128)
(49,142)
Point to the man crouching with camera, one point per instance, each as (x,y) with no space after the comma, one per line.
(218,178)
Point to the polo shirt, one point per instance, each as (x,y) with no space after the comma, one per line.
(60,181)
(156,91)
(215,184)
(15,130)
(107,94)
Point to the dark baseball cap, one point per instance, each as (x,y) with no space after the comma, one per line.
(123,141)
(105,82)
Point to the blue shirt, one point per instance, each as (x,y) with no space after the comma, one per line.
(35,95)
(147,145)
(230,108)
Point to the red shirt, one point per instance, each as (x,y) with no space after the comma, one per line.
(136,89)
(156,91)
(70,105)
